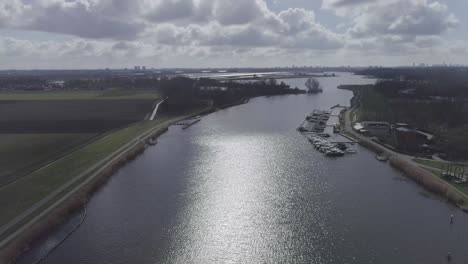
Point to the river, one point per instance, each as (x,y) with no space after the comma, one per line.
(243,186)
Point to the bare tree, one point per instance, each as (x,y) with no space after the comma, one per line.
(313,86)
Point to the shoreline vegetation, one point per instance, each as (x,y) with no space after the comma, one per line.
(267,76)
(74,178)
(408,167)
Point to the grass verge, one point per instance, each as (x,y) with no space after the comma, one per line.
(437,173)
(23,153)
(438,164)
(25,192)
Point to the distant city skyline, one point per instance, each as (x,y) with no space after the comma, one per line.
(93,34)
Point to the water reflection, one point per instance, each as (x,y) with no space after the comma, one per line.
(242,203)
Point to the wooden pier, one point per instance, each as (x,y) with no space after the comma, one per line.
(348,137)
(187,123)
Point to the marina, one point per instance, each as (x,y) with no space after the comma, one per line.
(320,129)
(316,122)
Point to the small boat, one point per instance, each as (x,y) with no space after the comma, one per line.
(325,149)
(336,128)
(351,151)
(382,158)
(341,146)
(152,142)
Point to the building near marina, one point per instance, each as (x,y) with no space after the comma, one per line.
(411,140)
(380,130)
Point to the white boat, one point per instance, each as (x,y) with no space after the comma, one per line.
(334,153)
(381,158)
(152,142)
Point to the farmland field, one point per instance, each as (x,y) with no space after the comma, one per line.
(70,116)
(23,153)
(39,127)
(81,95)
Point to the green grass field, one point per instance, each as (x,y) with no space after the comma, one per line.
(25,192)
(461,187)
(436,171)
(81,95)
(438,164)
(23,153)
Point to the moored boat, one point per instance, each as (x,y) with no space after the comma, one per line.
(334,152)
(382,158)
(152,142)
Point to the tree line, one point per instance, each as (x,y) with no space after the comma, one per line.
(185,91)
(433,99)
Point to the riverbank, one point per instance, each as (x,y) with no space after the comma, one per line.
(402,162)
(54,209)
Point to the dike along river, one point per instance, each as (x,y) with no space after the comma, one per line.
(243,186)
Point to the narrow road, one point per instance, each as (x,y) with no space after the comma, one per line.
(156,109)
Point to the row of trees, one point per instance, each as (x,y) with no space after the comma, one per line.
(444,82)
(113,83)
(21,83)
(185,91)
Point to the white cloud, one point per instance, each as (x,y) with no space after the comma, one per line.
(228,31)
(84,18)
(171,10)
(228,12)
(403,17)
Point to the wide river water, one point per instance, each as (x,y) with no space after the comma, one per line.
(243,186)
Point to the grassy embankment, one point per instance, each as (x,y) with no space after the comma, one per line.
(438,167)
(438,164)
(23,153)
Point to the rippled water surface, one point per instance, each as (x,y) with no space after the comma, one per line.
(243,186)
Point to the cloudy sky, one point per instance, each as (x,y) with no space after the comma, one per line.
(51,34)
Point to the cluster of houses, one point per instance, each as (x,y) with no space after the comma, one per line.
(47,86)
(401,136)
